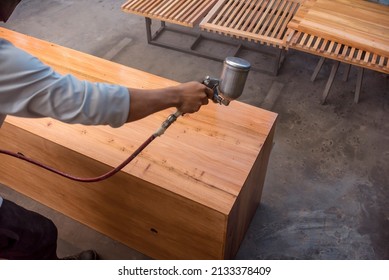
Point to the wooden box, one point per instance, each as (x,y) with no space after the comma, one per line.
(190,194)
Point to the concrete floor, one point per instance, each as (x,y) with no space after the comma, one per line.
(327,187)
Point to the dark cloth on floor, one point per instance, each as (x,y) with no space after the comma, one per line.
(26,235)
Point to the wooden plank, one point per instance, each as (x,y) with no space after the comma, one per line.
(293,9)
(352,52)
(269,16)
(240,11)
(274,26)
(330,48)
(186,13)
(263,21)
(336,51)
(201,12)
(215,10)
(262,15)
(199,170)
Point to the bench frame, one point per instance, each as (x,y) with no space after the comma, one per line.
(277,54)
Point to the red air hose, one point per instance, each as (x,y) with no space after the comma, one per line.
(161,130)
(79,179)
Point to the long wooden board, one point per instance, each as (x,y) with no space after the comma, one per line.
(187,13)
(190,195)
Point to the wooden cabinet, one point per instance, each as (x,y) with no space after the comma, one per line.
(190,194)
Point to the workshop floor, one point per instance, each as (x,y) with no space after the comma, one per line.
(327,187)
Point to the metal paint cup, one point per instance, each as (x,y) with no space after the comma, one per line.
(233,78)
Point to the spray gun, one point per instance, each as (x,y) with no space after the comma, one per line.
(232,80)
(229,87)
(226,89)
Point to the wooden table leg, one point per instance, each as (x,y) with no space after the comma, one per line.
(317,69)
(346,72)
(359,84)
(334,69)
(279,59)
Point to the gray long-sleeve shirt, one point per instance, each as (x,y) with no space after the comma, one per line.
(29,88)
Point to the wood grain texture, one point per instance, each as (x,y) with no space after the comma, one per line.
(261,21)
(184,185)
(187,12)
(355,32)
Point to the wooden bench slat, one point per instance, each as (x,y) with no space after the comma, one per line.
(202,11)
(279,28)
(330,48)
(292,9)
(247,17)
(352,52)
(228,15)
(239,17)
(190,10)
(145,5)
(263,21)
(317,43)
(168,8)
(260,17)
(303,39)
(334,50)
(267,23)
(187,12)
(221,16)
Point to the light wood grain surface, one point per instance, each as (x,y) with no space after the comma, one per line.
(357,23)
(187,13)
(259,21)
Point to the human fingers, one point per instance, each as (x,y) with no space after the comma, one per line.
(209,92)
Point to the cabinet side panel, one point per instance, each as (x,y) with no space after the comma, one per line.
(156,222)
(248,200)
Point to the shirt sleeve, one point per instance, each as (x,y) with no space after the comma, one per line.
(29,88)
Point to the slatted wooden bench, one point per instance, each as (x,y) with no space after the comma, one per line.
(184,17)
(351,32)
(189,195)
(262,22)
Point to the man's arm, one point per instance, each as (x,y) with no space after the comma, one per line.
(28,88)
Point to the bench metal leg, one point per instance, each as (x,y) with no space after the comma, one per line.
(237,46)
(152,37)
(317,69)
(359,84)
(334,69)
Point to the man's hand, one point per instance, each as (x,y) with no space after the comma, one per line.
(193,96)
(186,97)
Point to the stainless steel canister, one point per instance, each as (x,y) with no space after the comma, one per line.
(233,78)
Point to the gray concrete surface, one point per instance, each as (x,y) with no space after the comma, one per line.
(327,186)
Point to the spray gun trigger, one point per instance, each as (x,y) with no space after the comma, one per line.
(213,84)
(216,97)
